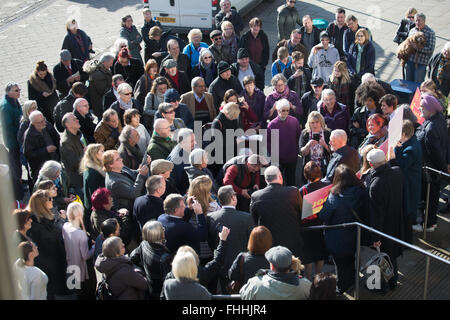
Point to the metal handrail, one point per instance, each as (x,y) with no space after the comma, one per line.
(441,173)
(358,241)
(226,297)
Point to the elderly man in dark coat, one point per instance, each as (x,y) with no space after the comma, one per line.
(279,208)
(224,81)
(67,72)
(386,206)
(342,153)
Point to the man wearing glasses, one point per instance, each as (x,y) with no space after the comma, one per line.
(287,20)
(220,52)
(227,13)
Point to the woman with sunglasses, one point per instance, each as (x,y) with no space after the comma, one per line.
(206,67)
(125,101)
(46,233)
(405,26)
(152,101)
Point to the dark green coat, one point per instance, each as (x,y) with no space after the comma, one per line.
(92,180)
(160,148)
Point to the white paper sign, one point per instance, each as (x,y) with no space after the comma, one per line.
(395,128)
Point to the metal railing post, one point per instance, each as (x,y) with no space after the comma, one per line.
(427,271)
(425,223)
(358,251)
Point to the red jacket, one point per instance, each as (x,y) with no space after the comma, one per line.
(246,181)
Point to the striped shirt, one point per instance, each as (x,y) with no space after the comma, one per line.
(424,55)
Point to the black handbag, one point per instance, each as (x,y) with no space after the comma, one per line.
(236,285)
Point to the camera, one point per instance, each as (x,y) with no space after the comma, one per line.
(240,102)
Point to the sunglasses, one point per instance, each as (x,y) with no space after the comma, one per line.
(207,57)
(128,93)
(291,1)
(217,39)
(410,17)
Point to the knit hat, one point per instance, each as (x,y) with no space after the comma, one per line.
(169,63)
(376,156)
(324,34)
(65,55)
(243,53)
(215,33)
(222,67)
(279,256)
(160,166)
(430,103)
(171,95)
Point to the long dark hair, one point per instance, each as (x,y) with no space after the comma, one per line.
(344,177)
(323,287)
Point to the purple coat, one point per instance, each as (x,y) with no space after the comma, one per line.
(338,119)
(256,103)
(291,96)
(289,134)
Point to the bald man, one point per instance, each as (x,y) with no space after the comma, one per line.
(161,143)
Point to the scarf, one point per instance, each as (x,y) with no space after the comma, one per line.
(79,39)
(134,152)
(125,106)
(175,79)
(358,58)
(444,66)
(284,94)
(208,71)
(96,167)
(40,85)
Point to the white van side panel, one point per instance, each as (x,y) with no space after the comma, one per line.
(168,15)
(196,13)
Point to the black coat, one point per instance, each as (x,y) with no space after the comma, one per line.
(87,126)
(200,71)
(64,106)
(146,208)
(130,73)
(235,19)
(108,99)
(70,43)
(61,74)
(309,104)
(44,104)
(433,137)
(145,30)
(116,106)
(245,40)
(282,218)
(219,86)
(183,64)
(403,30)
(292,81)
(184,83)
(345,155)
(155,259)
(385,207)
(432,70)
(257,71)
(47,235)
(35,148)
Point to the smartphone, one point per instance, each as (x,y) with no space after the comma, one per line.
(316,136)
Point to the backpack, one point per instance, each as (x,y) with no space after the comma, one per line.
(103,291)
(371,257)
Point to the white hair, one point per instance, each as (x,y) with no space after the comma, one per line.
(204,51)
(50,169)
(195,80)
(184,133)
(280,104)
(74,210)
(10,86)
(446,46)
(106,57)
(339,134)
(368,77)
(271,173)
(170,42)
(120,42)
(327,92)
(77,102)
(196,157)
(26,108)
(33,116)
(194,32)
(123,86)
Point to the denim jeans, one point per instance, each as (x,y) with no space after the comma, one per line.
(415,72)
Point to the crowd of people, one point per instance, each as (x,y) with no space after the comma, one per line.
(120,188)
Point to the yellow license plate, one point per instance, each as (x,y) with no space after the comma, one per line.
(165,19)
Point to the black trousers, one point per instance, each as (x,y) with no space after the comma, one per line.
(288,172)
(345,270)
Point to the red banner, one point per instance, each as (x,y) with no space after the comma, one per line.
(313,202)
(415,104)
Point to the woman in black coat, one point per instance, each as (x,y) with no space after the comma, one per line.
(46,233)
(42,88)
(153,257)
(77,41)
(125,102)
(130,68)
(405,26)
(255,39)
(206,68)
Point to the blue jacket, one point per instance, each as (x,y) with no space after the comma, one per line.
(409,158)
(336,210)
(367,59)
(194,54)
(146,208)
(179,232)
(10,114)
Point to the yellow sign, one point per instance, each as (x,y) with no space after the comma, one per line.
(166,19)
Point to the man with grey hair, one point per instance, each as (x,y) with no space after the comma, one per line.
(40,143)
(108,130)
(87,125)
(72,151)
(100,79)
(178,231)
(240,222)
(129,150)
(150,206)
(67,72)
(289,131)
(227,13)
(199,102)
(78,90)
(282,218)
(198,160)
(10,114)
(161,144)
(385,187)
(112,95)
(180,158)
(342,153)
(183,63)
(416,66)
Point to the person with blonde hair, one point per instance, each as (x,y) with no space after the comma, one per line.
(77,41)
(340,83)
(281,282)
(77,250)
(228,14)
(230,39)
(314,141)
(195,43)
(46,233)
(185,285)
(153,256)
(361,54)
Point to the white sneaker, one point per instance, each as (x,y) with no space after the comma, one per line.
(418,227)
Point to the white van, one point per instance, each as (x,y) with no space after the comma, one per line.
(183,15)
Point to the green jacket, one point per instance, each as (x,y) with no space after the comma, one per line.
(10,119)
(160,148)
(287,20)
